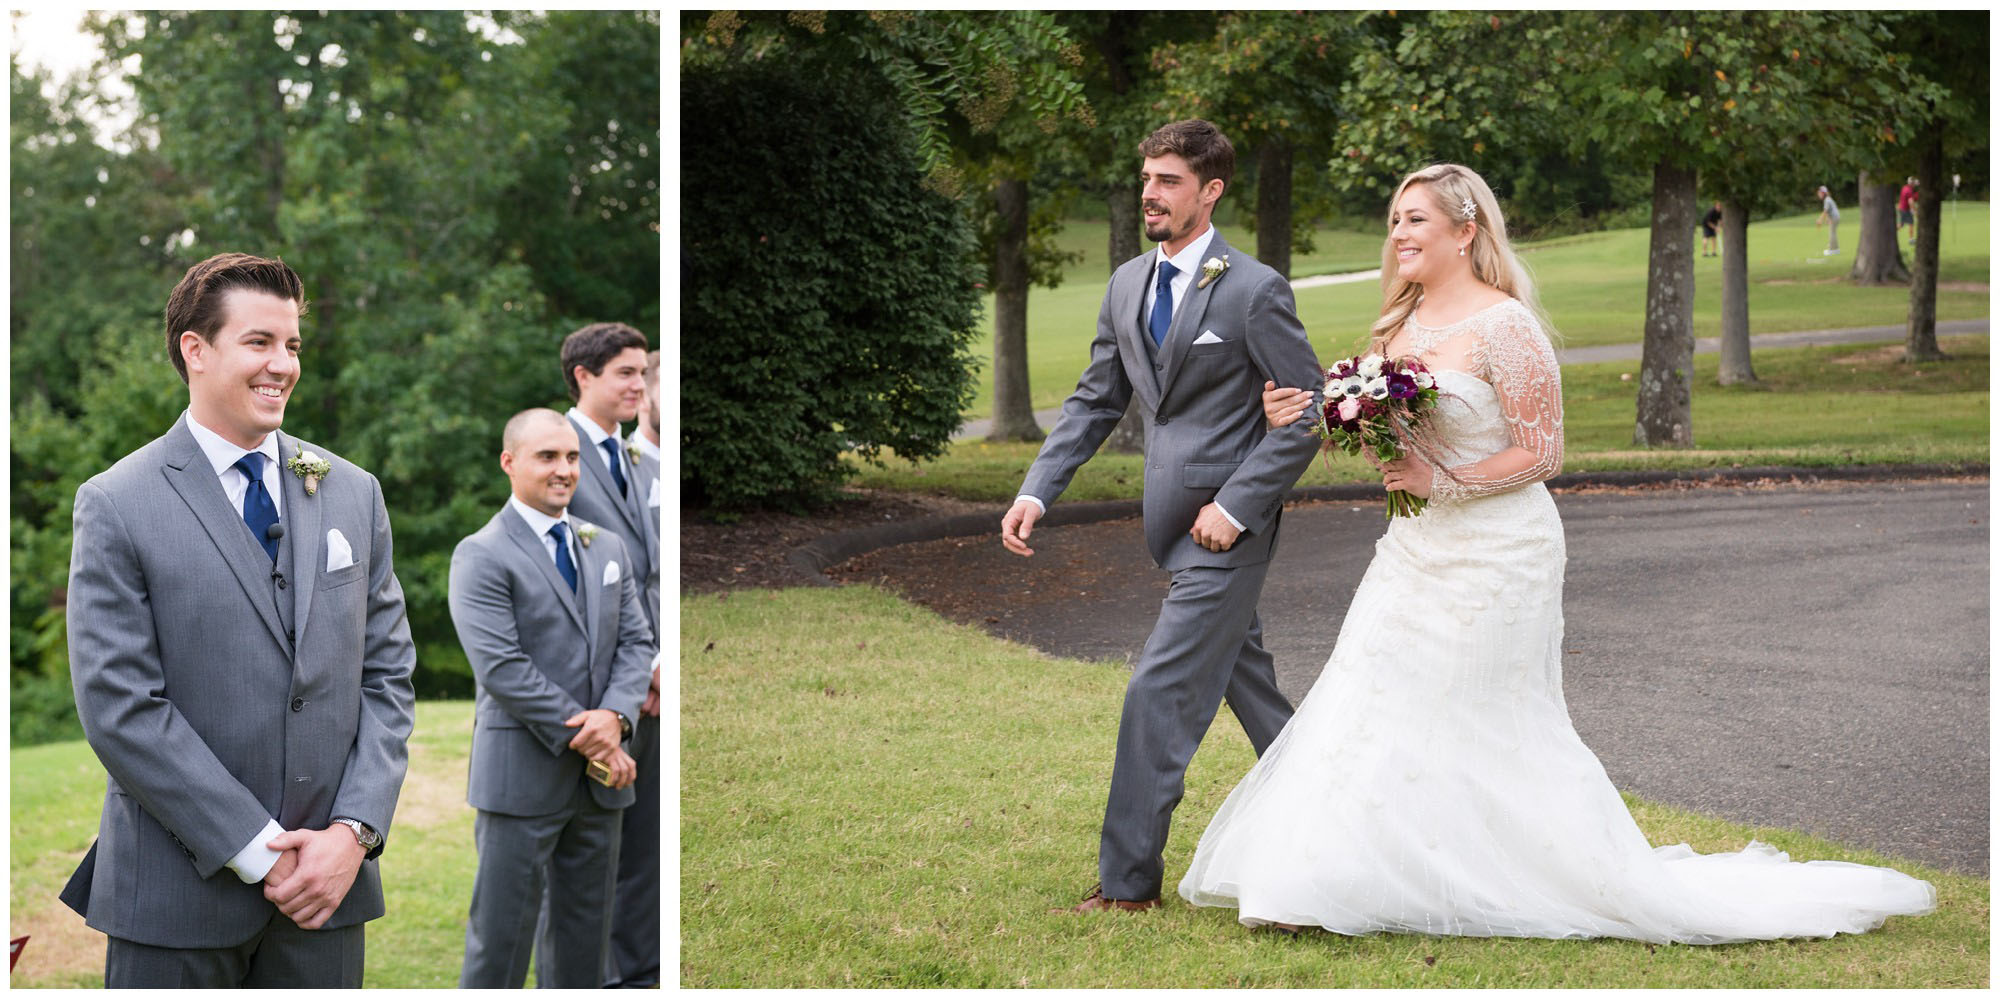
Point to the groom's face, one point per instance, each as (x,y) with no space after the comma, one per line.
(1175,202)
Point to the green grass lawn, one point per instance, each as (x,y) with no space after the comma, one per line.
(1812,406)
(427,869)
(872,796)
(1593,285)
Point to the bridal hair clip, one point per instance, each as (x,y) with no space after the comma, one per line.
(1467,209)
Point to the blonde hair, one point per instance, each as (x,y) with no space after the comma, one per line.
(1493,260)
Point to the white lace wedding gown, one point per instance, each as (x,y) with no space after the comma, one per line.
(1431,781)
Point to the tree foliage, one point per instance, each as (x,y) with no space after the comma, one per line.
(828,295)
(452,189)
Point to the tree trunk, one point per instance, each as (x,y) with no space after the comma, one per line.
(1274,205)
(1013,414)
(1877,258)
(1735,364)
(1920,341)
(1129,437)
(1666,365)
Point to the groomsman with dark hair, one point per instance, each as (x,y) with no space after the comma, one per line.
(606,368)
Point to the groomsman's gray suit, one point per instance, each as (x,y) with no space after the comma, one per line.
(541,654)
(222,690)
(1205,442)
(628,516)
(635,934)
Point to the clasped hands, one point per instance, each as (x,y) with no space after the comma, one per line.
(315,869)
(598,738)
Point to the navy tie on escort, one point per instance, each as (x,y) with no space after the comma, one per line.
(610,446)
(1163,304)
(563,563)
(259,513)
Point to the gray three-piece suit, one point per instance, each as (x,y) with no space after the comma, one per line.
(1205,442)
(542,653)
(222,690)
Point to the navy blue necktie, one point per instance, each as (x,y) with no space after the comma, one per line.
(258,510)
(563,563)
(610,446)
(1163,304)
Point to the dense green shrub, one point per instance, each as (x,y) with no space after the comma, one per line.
(828,298)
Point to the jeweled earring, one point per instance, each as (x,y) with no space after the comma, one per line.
(1461,251)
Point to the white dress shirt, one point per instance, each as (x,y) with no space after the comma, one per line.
(646,447)
(1187,263)
(540,523)
(222,457)
(598,436)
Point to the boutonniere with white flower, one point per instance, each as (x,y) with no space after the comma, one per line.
(1211,270)
(310,467)
(586,533)
(632,452)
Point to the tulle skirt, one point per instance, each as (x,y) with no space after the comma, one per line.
(1431,781)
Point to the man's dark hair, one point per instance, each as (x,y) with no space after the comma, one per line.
(593,347)
(196,303)
(1196,141)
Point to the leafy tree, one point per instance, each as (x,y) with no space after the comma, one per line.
(828,295)
(1950,50)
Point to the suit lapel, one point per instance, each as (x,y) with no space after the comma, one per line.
(302,529)
(600,478)
(1126,303)
(524,536)
(1187,319)
(187,471)
(590,591)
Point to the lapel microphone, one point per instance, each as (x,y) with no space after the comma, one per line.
(274,532)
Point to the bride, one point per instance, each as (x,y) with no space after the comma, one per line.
(1431,781)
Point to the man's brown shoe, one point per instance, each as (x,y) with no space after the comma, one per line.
(1096,902)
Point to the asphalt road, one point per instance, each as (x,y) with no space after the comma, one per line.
(1812,659)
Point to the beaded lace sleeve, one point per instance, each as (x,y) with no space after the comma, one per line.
(1514,356)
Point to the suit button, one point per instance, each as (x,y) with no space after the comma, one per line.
(1162,421)
(298,703)
(1159,367)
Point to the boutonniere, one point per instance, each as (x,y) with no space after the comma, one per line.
(1211,270)
(586,533)
(632,452)
(310,467)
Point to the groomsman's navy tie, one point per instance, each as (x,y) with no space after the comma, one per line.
(563,563)
(258,510)
(1163,303)
(610,446)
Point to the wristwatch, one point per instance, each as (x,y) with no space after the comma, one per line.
(624,725)
(368,838)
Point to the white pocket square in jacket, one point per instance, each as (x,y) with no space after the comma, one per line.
(1207,336)
(653,498)
(610,573)
(338,554)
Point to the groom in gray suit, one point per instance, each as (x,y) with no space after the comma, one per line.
(547,608)
(241,662)
(1190,333)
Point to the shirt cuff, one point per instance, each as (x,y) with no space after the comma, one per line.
(256,860)
(1225,516)
(1044,507)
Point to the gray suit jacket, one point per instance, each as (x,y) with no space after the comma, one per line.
(208,716)
(1205,436)
(541,654)
(651,497)
(598,502)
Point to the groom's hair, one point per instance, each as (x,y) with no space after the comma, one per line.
(594,346)
(1198,142)
(196,303)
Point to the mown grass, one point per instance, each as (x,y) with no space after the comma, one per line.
(872,796)
(1593,286)
(1812,406)
(427,870)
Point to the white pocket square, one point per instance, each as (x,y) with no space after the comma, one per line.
(610,573)
(1207,336)
(338,554)
(653,498)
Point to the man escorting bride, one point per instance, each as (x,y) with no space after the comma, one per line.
(1431,781)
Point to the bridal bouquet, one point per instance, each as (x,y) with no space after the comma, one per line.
(1382,406)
